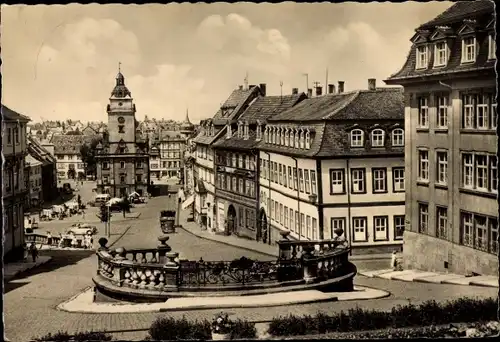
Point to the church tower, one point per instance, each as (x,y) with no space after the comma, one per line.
(123,158)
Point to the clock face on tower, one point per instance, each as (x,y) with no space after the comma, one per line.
(121,119)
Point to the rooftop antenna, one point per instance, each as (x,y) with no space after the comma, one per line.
(307,81)
(281,91)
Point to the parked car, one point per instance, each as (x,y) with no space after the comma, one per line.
(82,229)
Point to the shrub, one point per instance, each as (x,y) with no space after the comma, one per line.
(82,336)
(463,310)
(243,329)
(168,328)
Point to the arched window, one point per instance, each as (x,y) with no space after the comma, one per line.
(278,141)
(282,134)
(398,137)
(378,137)
(273,135)
(296,138)
(301,139)
(308,139)
(266,135)
(357,139)
(287,136)
(276,136)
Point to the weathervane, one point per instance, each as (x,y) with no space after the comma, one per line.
(119,66)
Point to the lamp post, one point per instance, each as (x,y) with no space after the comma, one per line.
(109,223)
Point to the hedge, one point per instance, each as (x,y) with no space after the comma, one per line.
(79,337)
(429,313)
(168,328)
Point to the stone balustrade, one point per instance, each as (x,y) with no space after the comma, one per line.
(159,270)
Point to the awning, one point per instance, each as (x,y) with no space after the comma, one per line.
(188,202)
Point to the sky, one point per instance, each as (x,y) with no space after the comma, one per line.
(60,61)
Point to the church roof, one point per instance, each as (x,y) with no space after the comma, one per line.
(120,90)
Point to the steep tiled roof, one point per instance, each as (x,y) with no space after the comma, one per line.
(39,152)
(170,135)
(235,104)
(203,138)
(30,160)
(461,10)
(10,115)
(482,12)
(70,144)
(265,107)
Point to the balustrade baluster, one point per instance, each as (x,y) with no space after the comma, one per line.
(143,259)
(134,256)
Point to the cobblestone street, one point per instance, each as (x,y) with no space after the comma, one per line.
(34,296)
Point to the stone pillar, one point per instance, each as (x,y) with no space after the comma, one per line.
(172,271)
(171,256)
(163,249)
(178,213)
(118,271)
(309,264)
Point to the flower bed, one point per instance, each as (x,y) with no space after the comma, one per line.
(82,336)
(427,314)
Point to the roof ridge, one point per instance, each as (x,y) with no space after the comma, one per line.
(353,97)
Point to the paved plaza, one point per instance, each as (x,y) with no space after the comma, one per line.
(34,295)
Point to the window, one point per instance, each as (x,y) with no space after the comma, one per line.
(286,216)
(467,230)
(423,165)
(122,165)
(359,229)
(306,180)
(241,186)
(481,233)
(301,139)
(292,225)
(301,180)
(482,112)
(481,172)
(358,180)
(423,112)
(308,227)
(121,128)
(378,138)
(442,222)
(493,112)
(380,228)
(379,180)
(296,139)
(9,136)
(139,165)
(290,185)
(399,227)
(313,182)
(356,138)
(285,178)
(337,181)
(281,213)
(442,167)
(308,140)
(302,224)
(398,178)
(440,54)
(287,137)
(422,57)
(468,170)
(493,238)
(493,173)
(234,160)
(122,179)
(295,178)
(398,137)
(314,229)
(105,166)
(280,178)
(105,179)
(423,218)
(16,135)
(297,223)
(139,178)
(469,50)
(240,161)
(337,223)
(468,111)
(442,112)
(492,47)
(282,136)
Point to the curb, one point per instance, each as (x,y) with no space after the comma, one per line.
(10,277)
(228,244)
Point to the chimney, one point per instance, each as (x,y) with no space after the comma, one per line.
(319,91)
(240,87)
(372,84)
(309,93)
(263,89)
(331,89)
(295,91)
(341,87)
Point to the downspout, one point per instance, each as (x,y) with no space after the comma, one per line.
(270,192)
(298,195)
(348,228)
(319,192)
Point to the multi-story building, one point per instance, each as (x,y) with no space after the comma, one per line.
(171,146)
(33,180)
(237,172)
(336,161)
(67,153)
(123,157)
(14,192)
(204,173)
(451,160)
(48,169)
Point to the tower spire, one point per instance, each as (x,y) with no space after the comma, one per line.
(119,66)
(187,115)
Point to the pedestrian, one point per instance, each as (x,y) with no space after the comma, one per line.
(49,239)
(394,261)
(25,252)
(82,183)
(83,214)
(74,241)
(61,241)
(34,251)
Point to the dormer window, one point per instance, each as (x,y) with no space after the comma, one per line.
(308,139)
(492,47)
(468,49)
(258,134)
(282,136)
(422,57)
(212,130)
(287,137)
(246,133)
(266,135)
(276,138)
(378,138)
(357,138)
(301,139)
(398,137)
(440,54)
(240,129)
(296,139)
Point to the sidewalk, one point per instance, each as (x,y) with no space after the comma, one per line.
(252,245)
(11,270)
(432,277)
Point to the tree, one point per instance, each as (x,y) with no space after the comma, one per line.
(88,155)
